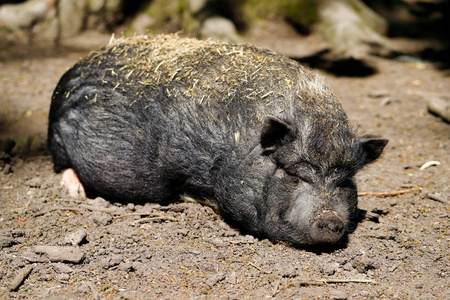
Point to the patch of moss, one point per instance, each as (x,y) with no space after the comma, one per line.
(164,11)
(28,144)
(299,12)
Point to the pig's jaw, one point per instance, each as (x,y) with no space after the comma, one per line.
(319,223)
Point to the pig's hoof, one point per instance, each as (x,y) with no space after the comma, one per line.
(71,181)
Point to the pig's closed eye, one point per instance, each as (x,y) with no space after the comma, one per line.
(296,178)
(291,176)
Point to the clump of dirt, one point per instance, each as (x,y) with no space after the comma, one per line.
(53,246)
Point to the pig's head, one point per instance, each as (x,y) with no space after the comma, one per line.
(311,194)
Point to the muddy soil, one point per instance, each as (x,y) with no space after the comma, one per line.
(93,249)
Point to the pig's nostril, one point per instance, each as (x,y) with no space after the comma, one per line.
(328,228)
(336,227)
(331,226)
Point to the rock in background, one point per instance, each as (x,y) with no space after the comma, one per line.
(52,20)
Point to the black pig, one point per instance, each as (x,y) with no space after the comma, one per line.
(159,118)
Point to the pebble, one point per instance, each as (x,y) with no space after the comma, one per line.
(61,254)
(347,267)
(76,238)
(101,219)
(7,169)
(6,241)
(330,269)
(62,268)
(34,182)
(213,280)
(220,28)
(62,277)
(98,202)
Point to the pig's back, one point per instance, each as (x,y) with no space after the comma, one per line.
(142,103)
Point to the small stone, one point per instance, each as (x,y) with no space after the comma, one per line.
(220,28)
(213,280)
(62,268)
(62,277)
(347,267)
(61,254)
(34,182)
(109,262)
(6,241)
(218,242)
(33,257)
(76,238)
(360,270)
(127,267)
(289,271)
(7,169)
(196,6)
(99,202)
(101,219)
(82,287)
(131,206)
(330,269)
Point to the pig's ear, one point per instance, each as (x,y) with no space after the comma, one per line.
(373,147)
(275,132)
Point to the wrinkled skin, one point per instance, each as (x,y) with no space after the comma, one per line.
(281,168)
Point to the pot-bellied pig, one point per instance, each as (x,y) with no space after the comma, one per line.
(249,130)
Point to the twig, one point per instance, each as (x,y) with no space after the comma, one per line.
(307,283)
(255,266)
(139,214)
(101,209)
(258,268)
(55,208)
(20,278)
(146,220)
(327,281)
(85,206)
(154,217)
(349,280)
(387,194)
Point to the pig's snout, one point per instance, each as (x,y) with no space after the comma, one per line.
(327,228)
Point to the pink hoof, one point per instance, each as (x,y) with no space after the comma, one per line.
(71,181)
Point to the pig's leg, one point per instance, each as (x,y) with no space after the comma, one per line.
(71,181)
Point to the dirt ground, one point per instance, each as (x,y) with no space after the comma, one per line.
(94,249)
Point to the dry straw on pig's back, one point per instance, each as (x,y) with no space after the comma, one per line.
(209,64)
(213,72)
